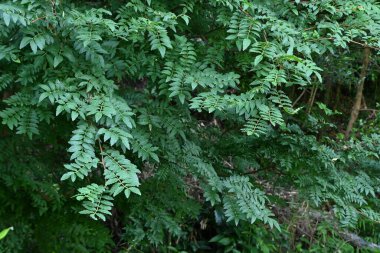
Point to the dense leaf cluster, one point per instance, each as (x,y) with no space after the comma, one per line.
(158,115)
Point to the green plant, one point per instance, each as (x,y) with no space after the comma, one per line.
(4,232)
(174,110)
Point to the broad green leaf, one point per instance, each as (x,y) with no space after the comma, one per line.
(33,46)
(4,232)
(57,60)
(246,43)
(40,42)
(258,59)
(162,51)
(66,176)
(186,19)
(7,18)
(25,41)
(135,190)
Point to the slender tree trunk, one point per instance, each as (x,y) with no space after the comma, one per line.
(299,97)
(338,95)
(311,99)
(292,92)
(359,92)
(376,88)
(364,104)
(328,91)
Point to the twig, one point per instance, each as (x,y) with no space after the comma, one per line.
(250,172)
(364,45)
(351,41)
(53,7)
(371,110)
(312,98)
(40,18)
(299,97)
(310,28)
(101,154)
(322,38)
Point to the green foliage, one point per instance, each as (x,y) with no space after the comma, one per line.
(191,106)
(4,232)
(121,174)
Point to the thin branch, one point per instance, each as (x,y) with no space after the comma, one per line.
(310,28)
(364,45)
(101,154)
(35,20)
(371,110)
(299,97)
(312,98)
(53,7)
(351,41)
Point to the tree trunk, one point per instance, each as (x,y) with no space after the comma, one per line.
(364,104)
(359,92)
(311,99)
(328,91)
(292,92)
(338,95)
